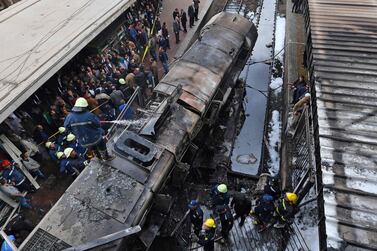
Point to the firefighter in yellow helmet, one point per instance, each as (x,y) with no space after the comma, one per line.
(286,209)
(207,235)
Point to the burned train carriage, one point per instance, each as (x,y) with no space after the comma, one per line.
(109,197)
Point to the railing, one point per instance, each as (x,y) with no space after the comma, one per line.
(302,150)
(182,232)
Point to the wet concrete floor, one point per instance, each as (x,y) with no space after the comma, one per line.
(247,152)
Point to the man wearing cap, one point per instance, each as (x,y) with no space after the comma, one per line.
(286,209)
(207,235)
(15,177)
(52,149)
(75,164)
(196,216)
(87,128)
(62,136)
(62,162)
(219,195)
(73,143)
(125,89)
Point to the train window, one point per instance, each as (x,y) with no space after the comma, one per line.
(137,146)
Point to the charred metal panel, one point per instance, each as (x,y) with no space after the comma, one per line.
(182,124)
(111,192)
(215,60)
(203,67)
(196,80)
(132,146)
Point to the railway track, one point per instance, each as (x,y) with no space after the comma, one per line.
(234,6)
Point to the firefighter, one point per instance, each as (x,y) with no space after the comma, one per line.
(242,207)
(52,150)
(226,219)
(62,162)
(61,136)
(207,235)
(75,163)
(86,126)
(73,143)
(286,209)
(273,188)
(196,216)
(264,211)
(219,195)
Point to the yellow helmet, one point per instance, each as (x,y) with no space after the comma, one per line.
(291,197)
(70,137)
(59,155)
(48,144)
(210,223)
(222,188)
(81,102)
(61,129)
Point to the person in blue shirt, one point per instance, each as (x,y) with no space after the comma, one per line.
(219,195)
(15,177)
(52,150)
(264,210)
(73,143)
(61,136)
(5,246)
(86,127)
(75,163)
(196,216)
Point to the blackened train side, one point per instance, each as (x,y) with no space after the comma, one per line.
(153,154)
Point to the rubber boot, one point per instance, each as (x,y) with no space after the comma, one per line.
(105,156)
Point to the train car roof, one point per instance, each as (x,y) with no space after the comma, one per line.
(41,36)
(200,76)
(344,37)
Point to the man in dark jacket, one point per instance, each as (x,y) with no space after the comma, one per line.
(264,211)
(273,188)
(176,29)
(242,207)
(286,209)
(184,20)
(191,14)
(75,163)
(196,216)
(164,60)
(196,7)
(13,176)
(87,128)
(165,34)
(207,235)
(226,219)
(219,195)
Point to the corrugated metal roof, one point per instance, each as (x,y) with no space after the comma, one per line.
(344,36)
(39,36)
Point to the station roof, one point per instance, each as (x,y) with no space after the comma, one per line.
(38,37)
(344,36)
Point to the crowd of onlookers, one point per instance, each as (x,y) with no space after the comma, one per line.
(106,79)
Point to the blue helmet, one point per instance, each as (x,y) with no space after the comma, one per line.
(193,204)
(267,198)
